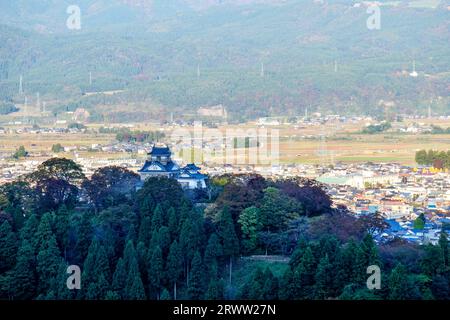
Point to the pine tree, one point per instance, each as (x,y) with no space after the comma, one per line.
(136,292)
(296,256)
(154,242)
(59,286)
(304,276)
(370,251)
(112,295)
(173,223)
(158,218)
(165,295)
(29,230)
(443,244)
(119,278)
(345,273)
(324,279)
(256,285)
(190,240)
(164,240)
(215,289)
(44,231)
(8,247)
(84,238)
(98,289)
(129,253)
(48,262)
(131,235)
(174,266)
(155,272)
(134,289)
(213,249)
(145,232)
(62,228)
(89,273)
(142,254)
(102,264)
(398,283)
(270,287)
(196,286)
(287,290)
(24,279)
(227,233)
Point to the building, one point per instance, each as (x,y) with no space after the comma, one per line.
(160,163)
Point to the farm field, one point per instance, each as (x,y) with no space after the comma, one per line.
(311,144)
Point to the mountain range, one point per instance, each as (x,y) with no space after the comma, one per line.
(256,57)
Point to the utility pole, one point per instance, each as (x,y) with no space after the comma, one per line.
(20,85)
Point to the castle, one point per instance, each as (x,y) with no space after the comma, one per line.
(160,164)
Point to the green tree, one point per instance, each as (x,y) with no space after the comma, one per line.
(61,222)
(421,157)
(174,266)
(165,295)
(398,283)
(250,225)
(24,279)
(84,233)
(155,272)
(213,251)
(119,279)
(419,222)
(196,286)
(227,234)
(157,218)
(8,247)
(44,231)
(20,153)
(56,182)
(443,244)
(145,231)
(304,276)
(57,148)
(109,186)
(48,262)
(324,279)
(277,210)
(134,289)
(287,290)
(433,261)
(270,287)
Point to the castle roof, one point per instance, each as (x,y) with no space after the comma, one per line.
(160,151)
(156,166)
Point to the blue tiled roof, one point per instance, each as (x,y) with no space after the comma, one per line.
(192,167)
(169,167)
(160,151)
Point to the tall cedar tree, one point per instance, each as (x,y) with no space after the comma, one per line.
(24,275)
(174,266)
(8,247)
(156,272)
(196,288)
(48,262)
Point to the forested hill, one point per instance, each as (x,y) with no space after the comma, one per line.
(181,55)
(158,243)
